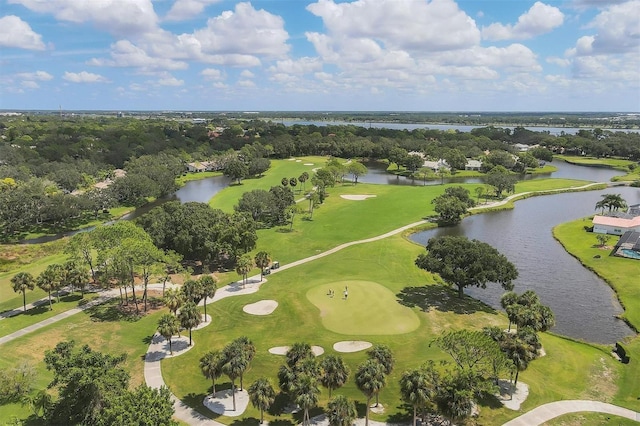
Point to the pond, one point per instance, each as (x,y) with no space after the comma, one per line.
(584,305)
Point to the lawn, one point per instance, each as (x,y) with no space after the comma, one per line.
(302,292)
(614,163)
(622,275)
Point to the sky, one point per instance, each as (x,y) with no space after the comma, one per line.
(322,55)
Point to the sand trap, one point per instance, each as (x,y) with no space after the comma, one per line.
(298,161)
(308,164)
(357,197)
(222,402)
(351,346)
(263,307)
(519,395)
(282,350)
(291,159)
(203,322)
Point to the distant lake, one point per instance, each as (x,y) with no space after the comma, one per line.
(443,127)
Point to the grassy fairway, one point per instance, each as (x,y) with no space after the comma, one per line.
(369,308)
(622,274)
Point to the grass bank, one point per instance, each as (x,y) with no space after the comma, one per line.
(622,275)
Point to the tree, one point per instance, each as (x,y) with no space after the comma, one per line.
(304,177)
(244,348)
(168,325)
(236,170)
(356,169)
(502,180)
(257,166)
(603,239)
(413,162)
(508,299)
(208,290)
(282,198)
(20,283)
(397,155)
(455,159)
(49,280)
(471,351)
(416,389)
(293,182)
(258,203)
(80,247)
(443,172)
(189,317)
(450,209)
(173,300)
(234,367)
(463,263)
(142,406)
(525,310)
(612,202)
(212,366)
(243,267)
(341,411)
(192,291)
(16,382)
(370,379)
(261,395)
(314,200)
(306,391)
(262,260)
(334,372)
(284,181)
(384,356)
(479,190)
(75,276)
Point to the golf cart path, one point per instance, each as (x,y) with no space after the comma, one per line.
(546,412)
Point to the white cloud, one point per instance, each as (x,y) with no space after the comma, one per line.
(187,9)
(211,74)
(300,66)
(618,28)
(247,74)
(84,77)
(539,19)
(561,62)
(30,84)
(126,54)
(170,81)
(33,76)
(14,32)
(244,31)
(417,25)
(246,83)
(118,17)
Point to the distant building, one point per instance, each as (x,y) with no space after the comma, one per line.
(474,165)
(199,121)
(628,245)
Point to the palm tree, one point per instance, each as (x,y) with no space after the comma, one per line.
(298,352)
(416,390)
(168,325)
(234,367)
(335,372)
(261,395)
(611,201)
(75,276)
(208,288)
(507,300)
(306,391)
(192,291)
(370,379)
(189,317)
(20,283)
(262,260)
(211,365)
(303,178)
(342,412)
(49,280)
(173,300)
(243,267)
(245,349)
(383,355)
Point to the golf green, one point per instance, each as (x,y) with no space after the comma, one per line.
(369,309)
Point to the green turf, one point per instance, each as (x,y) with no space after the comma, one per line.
(590,419)
(368,309)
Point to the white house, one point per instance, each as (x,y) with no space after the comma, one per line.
(473,165)
(615,225)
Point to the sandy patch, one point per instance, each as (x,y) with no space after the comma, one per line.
(291,159)
(514,401)
(263,307)
(356,197)
(308,164)
(222,402)
(282,350)
(351,346)
(298,161)
(161,350)
(378,409)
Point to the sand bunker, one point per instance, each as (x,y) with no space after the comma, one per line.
(356,197)
(282,350)
(222,402)
(308,164)
(263,307)
(351,346)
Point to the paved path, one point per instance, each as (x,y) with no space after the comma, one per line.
(546,412)
(34,304)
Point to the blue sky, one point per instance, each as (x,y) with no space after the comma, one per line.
(373,55)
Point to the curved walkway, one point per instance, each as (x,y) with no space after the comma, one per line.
(546,412)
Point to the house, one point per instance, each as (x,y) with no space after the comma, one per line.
(521,147)
(634,210)
(436,165)
(204,166)
(628,245)
(615,225)
(474,165)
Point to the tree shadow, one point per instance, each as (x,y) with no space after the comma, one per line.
(110,313)
(490,401)
(361,408)
(250,421)
(404,416)
(40,309)
(444,299)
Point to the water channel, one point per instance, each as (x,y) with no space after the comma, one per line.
(584,305)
